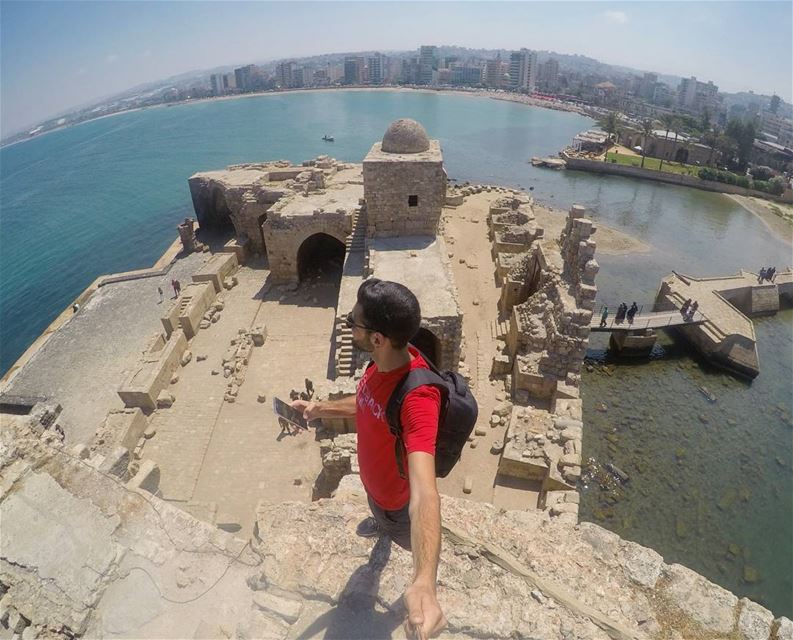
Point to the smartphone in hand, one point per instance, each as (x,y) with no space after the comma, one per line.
(285,411)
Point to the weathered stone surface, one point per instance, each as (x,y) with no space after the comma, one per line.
(642,565)
(288,609)
(165,400)
(754,621)
(187,356)
(784,630)
(69,555)
(708,604)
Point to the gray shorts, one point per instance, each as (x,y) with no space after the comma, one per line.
(394,524)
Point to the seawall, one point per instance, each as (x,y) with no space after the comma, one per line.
(611,168)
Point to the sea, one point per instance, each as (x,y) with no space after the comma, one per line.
(711,482)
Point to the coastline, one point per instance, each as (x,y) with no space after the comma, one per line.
(478,93)
(780,226)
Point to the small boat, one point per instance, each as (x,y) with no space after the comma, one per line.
(328,138)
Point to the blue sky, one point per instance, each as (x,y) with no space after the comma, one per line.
(55,55)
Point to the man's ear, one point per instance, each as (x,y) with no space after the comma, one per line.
(378,339)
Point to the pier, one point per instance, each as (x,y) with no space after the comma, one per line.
(721,328)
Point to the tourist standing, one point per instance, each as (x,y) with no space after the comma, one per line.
(385,317)
(159,290)
(177,288)
(684,308)
(770,274)
(693,310)
(604,316)
(761,277)
(632,312)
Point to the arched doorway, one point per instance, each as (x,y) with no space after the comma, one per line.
(320,255)
(426,342)
(681,155)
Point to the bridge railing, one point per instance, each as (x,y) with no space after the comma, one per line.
(645,316)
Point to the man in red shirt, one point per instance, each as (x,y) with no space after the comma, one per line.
(386,316)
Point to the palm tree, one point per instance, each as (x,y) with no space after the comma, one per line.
(610,127)
(669,122)
(647,129)
(676,127)
(709,138)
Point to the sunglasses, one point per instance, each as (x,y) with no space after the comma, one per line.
(350,322)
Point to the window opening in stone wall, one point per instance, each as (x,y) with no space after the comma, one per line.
(413,201)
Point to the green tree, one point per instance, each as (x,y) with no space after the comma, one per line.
(647,130)
(709,138)
(705,121)
(743,135)
(669,122)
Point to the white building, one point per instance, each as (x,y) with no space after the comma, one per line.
(523,71)
(426,63)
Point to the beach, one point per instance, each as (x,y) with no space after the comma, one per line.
(776,216)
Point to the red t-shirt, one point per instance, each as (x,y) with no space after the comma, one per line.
(419,419)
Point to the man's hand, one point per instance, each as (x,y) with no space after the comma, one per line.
(425,618)
(309,408)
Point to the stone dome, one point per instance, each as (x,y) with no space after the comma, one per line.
(405,136)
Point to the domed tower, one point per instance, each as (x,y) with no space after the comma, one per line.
(404,182)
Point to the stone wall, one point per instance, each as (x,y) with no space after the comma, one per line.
(596,166)
(387,188)
(285,234)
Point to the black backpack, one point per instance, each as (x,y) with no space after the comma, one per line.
(456,421)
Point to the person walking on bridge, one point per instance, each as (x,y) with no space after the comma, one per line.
(405,507)
(604,316)
(632,312)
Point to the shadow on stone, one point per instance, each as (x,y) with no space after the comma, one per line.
(355,615)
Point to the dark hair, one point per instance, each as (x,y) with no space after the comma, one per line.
(390,308)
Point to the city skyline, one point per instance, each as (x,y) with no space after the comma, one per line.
(56,56)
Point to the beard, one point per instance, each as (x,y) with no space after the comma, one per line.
(363,345)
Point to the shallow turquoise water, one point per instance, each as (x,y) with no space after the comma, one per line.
(106,196)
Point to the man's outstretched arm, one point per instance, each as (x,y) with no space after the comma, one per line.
(424,613)
(343,408)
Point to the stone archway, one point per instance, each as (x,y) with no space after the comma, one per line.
(428,343)
(681,155)
(217,214)
(320,255)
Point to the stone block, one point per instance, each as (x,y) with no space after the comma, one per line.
(468,484)
(754,621)
(784,629)
(187,356)
(564,507)
(642,565)
(710,605)
(258,335)
(165,400)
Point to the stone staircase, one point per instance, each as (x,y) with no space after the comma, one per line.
(356,241)
(499,329)
(345,352)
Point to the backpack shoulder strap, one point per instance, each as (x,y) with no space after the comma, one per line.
(412,379)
